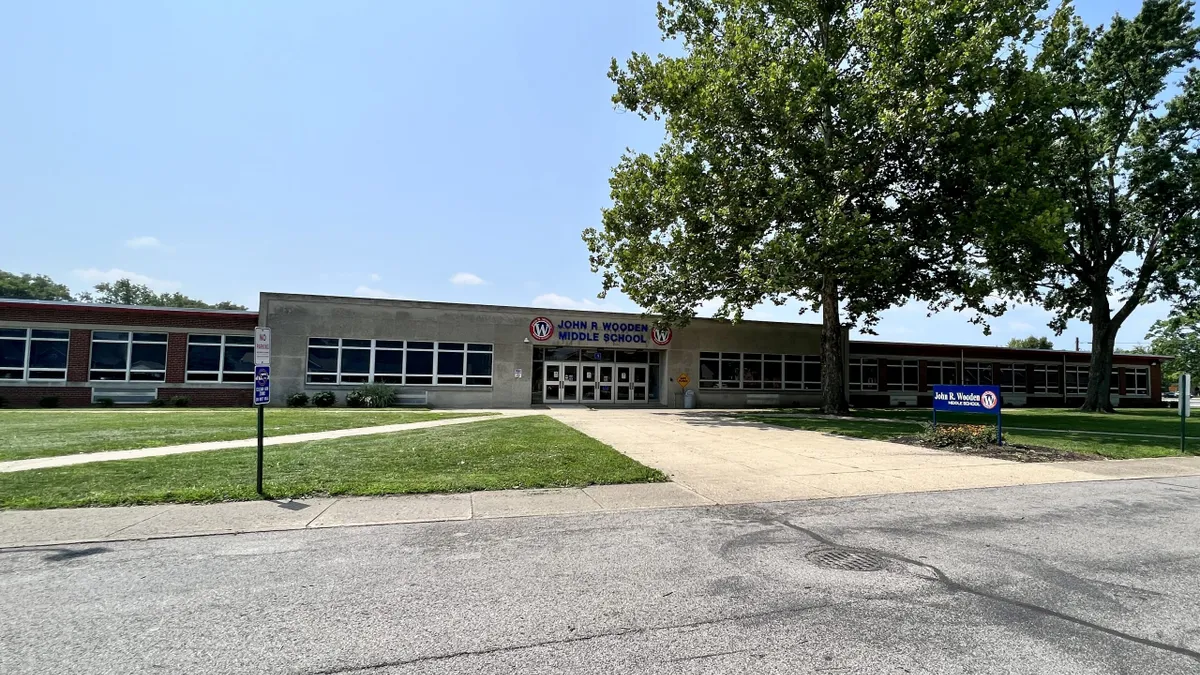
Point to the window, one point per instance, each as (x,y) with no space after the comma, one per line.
(1114,381)
(347,361)
(759,371)
(942,372)
(904,376)
(802,372)
(864,374)
(1012,377)
(710,370)
(1137,381)
(1045,379)
(1076,380)
(220,358)
(33,354)
(125,356)
(977,373)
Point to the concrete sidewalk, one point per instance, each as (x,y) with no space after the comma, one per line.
(73,526)
(114,455)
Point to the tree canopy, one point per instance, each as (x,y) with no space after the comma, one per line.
(32,287)
(1031,342)
(125,292)
(826,152)
(1177,336)
(1111,124)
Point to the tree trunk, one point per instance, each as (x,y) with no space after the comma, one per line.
(833,352)
(1104,336)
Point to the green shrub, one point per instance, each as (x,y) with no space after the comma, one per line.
(180,401)
(324,399)
(356,399)
(158,403)
(297,400)
(959,435)
(375,396)
(105,402)
(48,402)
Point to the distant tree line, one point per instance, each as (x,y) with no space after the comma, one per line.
(120,292)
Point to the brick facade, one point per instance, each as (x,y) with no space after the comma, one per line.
(176,357)
(205,397)
(79,354)
(28,397)
(107,315)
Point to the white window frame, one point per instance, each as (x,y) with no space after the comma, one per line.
(1046,370)
(861,362)
(903,365)
(129,342)
(1014,367)
(28,341)
(1137,372)
(761,359)
(941,367)
(220,372)
(1081,374)
(371,376)
(978,367)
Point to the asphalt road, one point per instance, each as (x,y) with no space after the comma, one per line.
(1078,578)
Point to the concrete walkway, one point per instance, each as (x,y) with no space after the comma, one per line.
(728,460)
(74,526)
(114,455)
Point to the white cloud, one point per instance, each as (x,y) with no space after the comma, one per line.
(1020,325)
(93,276)
(144,242)
(466,279)
(368,292)
(376,277)
(556,301)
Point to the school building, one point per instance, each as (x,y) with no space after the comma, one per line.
(449,355)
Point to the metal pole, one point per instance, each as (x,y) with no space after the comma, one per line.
(999,429)
(1182,428)
(935,418)
(260,449)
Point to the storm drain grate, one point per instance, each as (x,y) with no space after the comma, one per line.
(846,560)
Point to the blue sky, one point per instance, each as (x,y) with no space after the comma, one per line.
(440,151)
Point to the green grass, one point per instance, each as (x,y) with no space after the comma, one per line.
(46,433)
(523,452)
(907,422)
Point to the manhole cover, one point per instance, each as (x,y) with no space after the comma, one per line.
(842,559)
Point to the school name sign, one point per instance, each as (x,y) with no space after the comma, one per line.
(967,399)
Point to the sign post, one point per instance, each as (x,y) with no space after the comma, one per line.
(1185,409)
(965,398)
(683,380)
(262,389)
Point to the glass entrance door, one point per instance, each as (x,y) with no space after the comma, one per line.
(561,383)
(604,388)
(640,385)
(623,383)
(570,382)
(587,386)
(552,392)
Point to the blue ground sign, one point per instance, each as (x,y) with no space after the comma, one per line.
(966,398)
(262,385)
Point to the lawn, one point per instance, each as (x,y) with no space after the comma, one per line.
(522,452)
(1021,426)
(47,433)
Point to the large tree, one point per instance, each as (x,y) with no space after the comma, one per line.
(1031,342)
(828,151)
(126,292)
(1116,113)
(32,287)
(1177,336)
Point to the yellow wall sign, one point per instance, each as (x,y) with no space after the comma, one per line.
(683,379)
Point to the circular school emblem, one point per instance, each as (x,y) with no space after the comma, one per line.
(541,329)
(989,400)
(661,336)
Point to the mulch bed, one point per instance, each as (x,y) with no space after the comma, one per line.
(1012,452)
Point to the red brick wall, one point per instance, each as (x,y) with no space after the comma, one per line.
(176,356)
(124,316)
(79,355)
(201,396)
(29,396)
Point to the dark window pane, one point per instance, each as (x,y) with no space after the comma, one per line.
(356,361)
(389,362)
(356,343)
(420,345)
(772,373)
(7,374)
(812,372)
(709,355)
(752,357)
(479,348)
(202,377)
(479,364)
(322,379)
(51,334)
(322,342)
(420,363)
(389,379)
(12,333)
(12,353)
(451,346)
(109,335)
(390,344)
(147,376)
(709,369)
(354,378)
(793,357)
(449,380)
(449,363)
(239,340)
(98,375)
(632,356)
(794,372)
(204,357)
(752,372)
(322,360)
(239,359)
(421,379)
(655,356)
(148,357)
(109,355)
(149,337)
(483,381)
(204,339)
(48,374)
(238,377)
(772,357)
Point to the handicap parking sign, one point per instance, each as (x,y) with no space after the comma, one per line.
(262,385)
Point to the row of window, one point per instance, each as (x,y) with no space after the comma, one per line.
(33,354)
(1014,377)
(350,361)
(732,370)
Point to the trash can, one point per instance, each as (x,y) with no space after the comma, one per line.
(689,398)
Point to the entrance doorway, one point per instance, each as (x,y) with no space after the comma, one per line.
(575,382)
